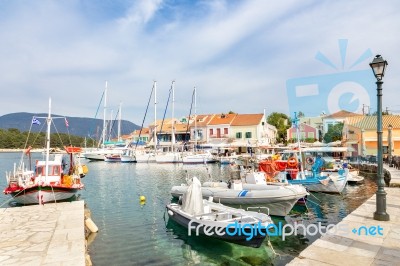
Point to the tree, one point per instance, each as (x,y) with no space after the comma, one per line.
(334,133)
(300,114)
(282,122)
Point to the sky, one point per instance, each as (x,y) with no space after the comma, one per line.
(242,56)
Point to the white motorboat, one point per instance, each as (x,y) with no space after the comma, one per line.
(254,190)
(203,217)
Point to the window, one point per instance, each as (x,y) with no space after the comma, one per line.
(248,135)
(238,135)
(311,135)
(211,132)
(226,131)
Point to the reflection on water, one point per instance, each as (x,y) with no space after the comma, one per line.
(139,233)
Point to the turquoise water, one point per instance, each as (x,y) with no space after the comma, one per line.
(131,233)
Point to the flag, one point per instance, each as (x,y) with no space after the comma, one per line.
(66,122)
(35,121)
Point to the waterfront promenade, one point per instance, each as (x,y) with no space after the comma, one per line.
(50,234)
(346,247)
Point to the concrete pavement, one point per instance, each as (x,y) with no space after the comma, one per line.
(50,234)
(364,246)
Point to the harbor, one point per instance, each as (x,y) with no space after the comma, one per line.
(130,229)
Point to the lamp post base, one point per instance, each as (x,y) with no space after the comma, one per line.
(381,214)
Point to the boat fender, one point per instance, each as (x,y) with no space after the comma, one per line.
(91,225)
(170,213)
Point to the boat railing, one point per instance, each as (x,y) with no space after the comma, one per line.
(259,208)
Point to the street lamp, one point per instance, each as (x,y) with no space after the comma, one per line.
(378,66)
(390,127)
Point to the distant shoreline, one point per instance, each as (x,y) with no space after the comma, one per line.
(20,150)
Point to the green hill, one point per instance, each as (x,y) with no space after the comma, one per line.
(77,126)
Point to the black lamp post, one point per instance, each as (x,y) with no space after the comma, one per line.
(378,66)
(390,127)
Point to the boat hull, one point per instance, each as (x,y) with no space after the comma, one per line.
(43,194)
(169,158)
(200,158)
(333,184)
(279,202)
(213,228)
(99,155)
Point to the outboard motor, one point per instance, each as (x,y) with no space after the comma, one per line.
(316,168)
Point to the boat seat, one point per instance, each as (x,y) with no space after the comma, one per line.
(222,216)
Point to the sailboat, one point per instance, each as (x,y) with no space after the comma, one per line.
(106,149)
(171,156)
(135,155)
(51,180)
(197,157)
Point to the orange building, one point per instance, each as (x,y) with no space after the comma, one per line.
(359,133)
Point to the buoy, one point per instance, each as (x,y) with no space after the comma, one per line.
(91,225)
(142,198)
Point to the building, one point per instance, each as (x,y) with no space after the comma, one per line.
(336,118)
(359,133)
(215,129)
(307,133)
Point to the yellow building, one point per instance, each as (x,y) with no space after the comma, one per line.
(359,133)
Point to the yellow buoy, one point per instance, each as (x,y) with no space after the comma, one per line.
(142,198)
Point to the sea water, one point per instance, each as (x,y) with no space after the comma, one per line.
(135,232)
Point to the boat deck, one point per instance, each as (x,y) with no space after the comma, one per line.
(50,234)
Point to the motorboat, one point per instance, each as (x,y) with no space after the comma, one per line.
(317,180)
(252,190)
(210,219)
(51,180)
(112,158)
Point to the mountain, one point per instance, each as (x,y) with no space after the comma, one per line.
(78,126)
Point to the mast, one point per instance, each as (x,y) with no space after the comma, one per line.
(110,125)
(172,120)
(104,115)
(296,122)
(48,142)
(119,122)
(195,121)
(155,116)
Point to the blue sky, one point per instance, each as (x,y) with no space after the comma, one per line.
(240,55)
